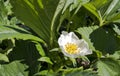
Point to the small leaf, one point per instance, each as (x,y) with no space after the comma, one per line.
(116,55)
(40,49)
(54,49)
(44,72)
(45,59)
(3,57)
(116,29)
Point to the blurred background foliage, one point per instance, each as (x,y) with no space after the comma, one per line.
(29,30)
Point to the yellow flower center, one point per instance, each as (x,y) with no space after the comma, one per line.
(71,48)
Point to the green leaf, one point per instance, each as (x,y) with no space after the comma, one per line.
(46,73)
(93,10)
(100,38)
(54,49)
(45,59)
(40,49)
(26,52)
(3,13)
(85,33)
(69,15)
(79,72)
(112,8)
(5,10)
(37,14)
(9,32)
(110,11)
(67,4)
(106,11)
(99,3)
(3,57)
(116,29)
(13,69)
(96,8)
(32,18)
(55,20)
(7,45)
(116,55)
(72,4)
(108,67)
(115,18)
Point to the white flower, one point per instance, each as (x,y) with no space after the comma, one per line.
(72,46)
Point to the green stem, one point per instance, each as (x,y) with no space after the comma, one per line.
(74,62)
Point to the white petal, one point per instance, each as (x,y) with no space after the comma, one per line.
(84,48)
(74,38)
(66,37)
(85,51)
(64,33)
(82,44)
(62,38)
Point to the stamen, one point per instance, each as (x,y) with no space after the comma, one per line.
(71,48)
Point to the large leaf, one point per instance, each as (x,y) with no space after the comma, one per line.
(15,68)
(9,32)
(26,52)
(37,14)
(55,20)
(108,67)
(100,38)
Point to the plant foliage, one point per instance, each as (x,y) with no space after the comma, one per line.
(29,31)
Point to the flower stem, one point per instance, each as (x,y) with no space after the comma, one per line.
(74,62)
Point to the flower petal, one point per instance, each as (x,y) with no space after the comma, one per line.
(85,51)
(62,38)
(82,44)
(65,38)
(74,36)
(64,33)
